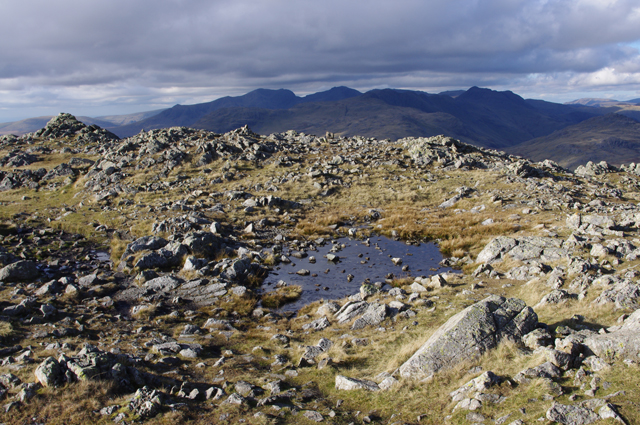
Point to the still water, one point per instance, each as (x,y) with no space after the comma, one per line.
(328,279)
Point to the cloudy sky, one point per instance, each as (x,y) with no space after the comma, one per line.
(103,57)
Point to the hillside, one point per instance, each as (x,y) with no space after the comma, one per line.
(191,277)
(614,138)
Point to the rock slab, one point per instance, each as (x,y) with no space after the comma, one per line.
(476,329)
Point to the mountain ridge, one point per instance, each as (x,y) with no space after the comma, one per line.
(613,137)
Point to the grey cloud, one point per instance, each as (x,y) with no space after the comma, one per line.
(230,47)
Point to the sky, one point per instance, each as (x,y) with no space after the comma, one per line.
(109,57)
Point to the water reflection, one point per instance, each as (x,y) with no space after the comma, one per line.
(364,260)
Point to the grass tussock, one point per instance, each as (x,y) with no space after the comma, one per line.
(146,312)
(281,296)
(73,404)
(5,329)
(240,305)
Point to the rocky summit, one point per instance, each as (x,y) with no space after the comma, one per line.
(151,280)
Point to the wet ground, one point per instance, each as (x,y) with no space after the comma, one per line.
(364,261)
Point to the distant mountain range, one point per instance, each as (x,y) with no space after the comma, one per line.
(588,101)
(480,116)
(570,134)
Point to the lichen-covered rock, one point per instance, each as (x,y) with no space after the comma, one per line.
(373,315)
(475,386)
(623,294)
(146,403)
(618,345)
(49,373)
(205,244)
(317,325)
(470,333)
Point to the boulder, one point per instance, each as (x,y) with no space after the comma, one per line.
(348,384)
(624,294)
(475,386)
(20,271)
(495,249)
(163,283)
(524,248)
(49,373)
(471,332)
(557,296)
(317,325)
(618,345)
(206,244)
(313,351)
(350,310)
(145,243)
(586,412)
(373,315)
(151,260)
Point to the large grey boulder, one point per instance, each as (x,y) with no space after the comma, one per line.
(145,243)
(571,414)
(373,315)
(624,294)
(205,244)
(495,249)
(586,412)
(19,271)
(621,344)
(174,253)
(237,269)
(476,329)
(163,283)
(151,260)
(350,310)
(49,373)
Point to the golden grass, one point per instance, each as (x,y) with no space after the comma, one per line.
(72,404)
(146,312)
(408,204)
(281,296)
(5,329)
(117,248)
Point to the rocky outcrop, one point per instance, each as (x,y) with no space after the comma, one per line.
(584,413)
(476,329)
(621,343)
(524,248)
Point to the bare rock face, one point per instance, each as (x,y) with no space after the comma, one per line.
(476,329)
